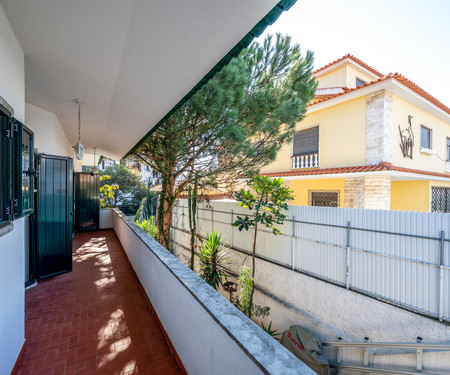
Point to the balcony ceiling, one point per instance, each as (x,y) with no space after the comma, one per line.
(130,61)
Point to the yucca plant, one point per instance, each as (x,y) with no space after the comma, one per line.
(213,259)
(270,331)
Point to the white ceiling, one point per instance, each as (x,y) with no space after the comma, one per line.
(131,61)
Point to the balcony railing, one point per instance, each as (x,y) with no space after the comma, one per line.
(305,161)
(192,313)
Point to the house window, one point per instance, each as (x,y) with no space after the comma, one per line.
(5,165)
(360,82)
(425,137)
(440,199)
(448,149)
(26,145)
(257,149)
(306,142)
(324,198)
(16,168)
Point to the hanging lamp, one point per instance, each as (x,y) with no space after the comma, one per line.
(79,148)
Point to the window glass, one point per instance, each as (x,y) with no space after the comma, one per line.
(306,142)
(5,167)
(425,137)
(324,198)
(440,199)
(257,149)
(359,82)
(27,169)
(448,149)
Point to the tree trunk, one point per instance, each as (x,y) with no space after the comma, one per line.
(167,200)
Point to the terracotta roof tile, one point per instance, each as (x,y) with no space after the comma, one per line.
(384,166)
(353,58)
(418,90)
(399,78)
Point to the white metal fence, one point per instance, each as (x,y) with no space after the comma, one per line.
(401,257)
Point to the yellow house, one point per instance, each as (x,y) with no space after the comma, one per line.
(369,140)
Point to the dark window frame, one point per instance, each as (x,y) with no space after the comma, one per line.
(11,168)
(311,192)
(298,133)
(430,137)
(440,199)
(25,171)
(361,82)
(448,148)
(5,166)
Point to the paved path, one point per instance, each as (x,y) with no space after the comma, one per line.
(93,320)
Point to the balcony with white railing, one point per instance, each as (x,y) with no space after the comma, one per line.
(305,161)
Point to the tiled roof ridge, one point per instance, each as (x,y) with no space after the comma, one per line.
(383,166)
(399,78)
(355,59)
(348,90)
(418,90)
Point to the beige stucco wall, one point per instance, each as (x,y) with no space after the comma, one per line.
(301,189)
(342,137)
(342,77)
(335,78)
(351,75)
(440,132)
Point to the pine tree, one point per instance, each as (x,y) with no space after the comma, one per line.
(234,125)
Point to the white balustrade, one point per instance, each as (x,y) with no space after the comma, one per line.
(305,161)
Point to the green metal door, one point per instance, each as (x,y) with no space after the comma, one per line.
(54,215)
(87,201)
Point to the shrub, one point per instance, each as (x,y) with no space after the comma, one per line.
(213,259)
(149,227)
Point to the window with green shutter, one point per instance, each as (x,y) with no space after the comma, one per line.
(16,168)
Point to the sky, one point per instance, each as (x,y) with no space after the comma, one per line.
(409,37)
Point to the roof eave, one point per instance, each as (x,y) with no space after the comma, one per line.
(395,175)
(391,85)
(341,63)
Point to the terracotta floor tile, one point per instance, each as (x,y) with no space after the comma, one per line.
(93,320)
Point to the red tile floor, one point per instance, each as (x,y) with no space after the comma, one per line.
(93,320)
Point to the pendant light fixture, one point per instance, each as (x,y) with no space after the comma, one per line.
(79,148)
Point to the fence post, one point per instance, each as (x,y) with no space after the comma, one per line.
(212,219)
(441,277)
(232,229)
(293,243)
(347,271)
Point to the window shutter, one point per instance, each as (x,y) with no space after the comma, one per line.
(306,142)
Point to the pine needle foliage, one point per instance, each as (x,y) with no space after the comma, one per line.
(234,125)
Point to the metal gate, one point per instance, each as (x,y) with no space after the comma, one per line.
(54,212)
(87,201)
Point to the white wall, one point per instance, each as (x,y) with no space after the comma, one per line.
(209,335)
(49,138)
(12,270)
(12,292)
(106,218)
(12,71)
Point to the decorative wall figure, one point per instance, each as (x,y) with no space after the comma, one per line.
(407,140)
